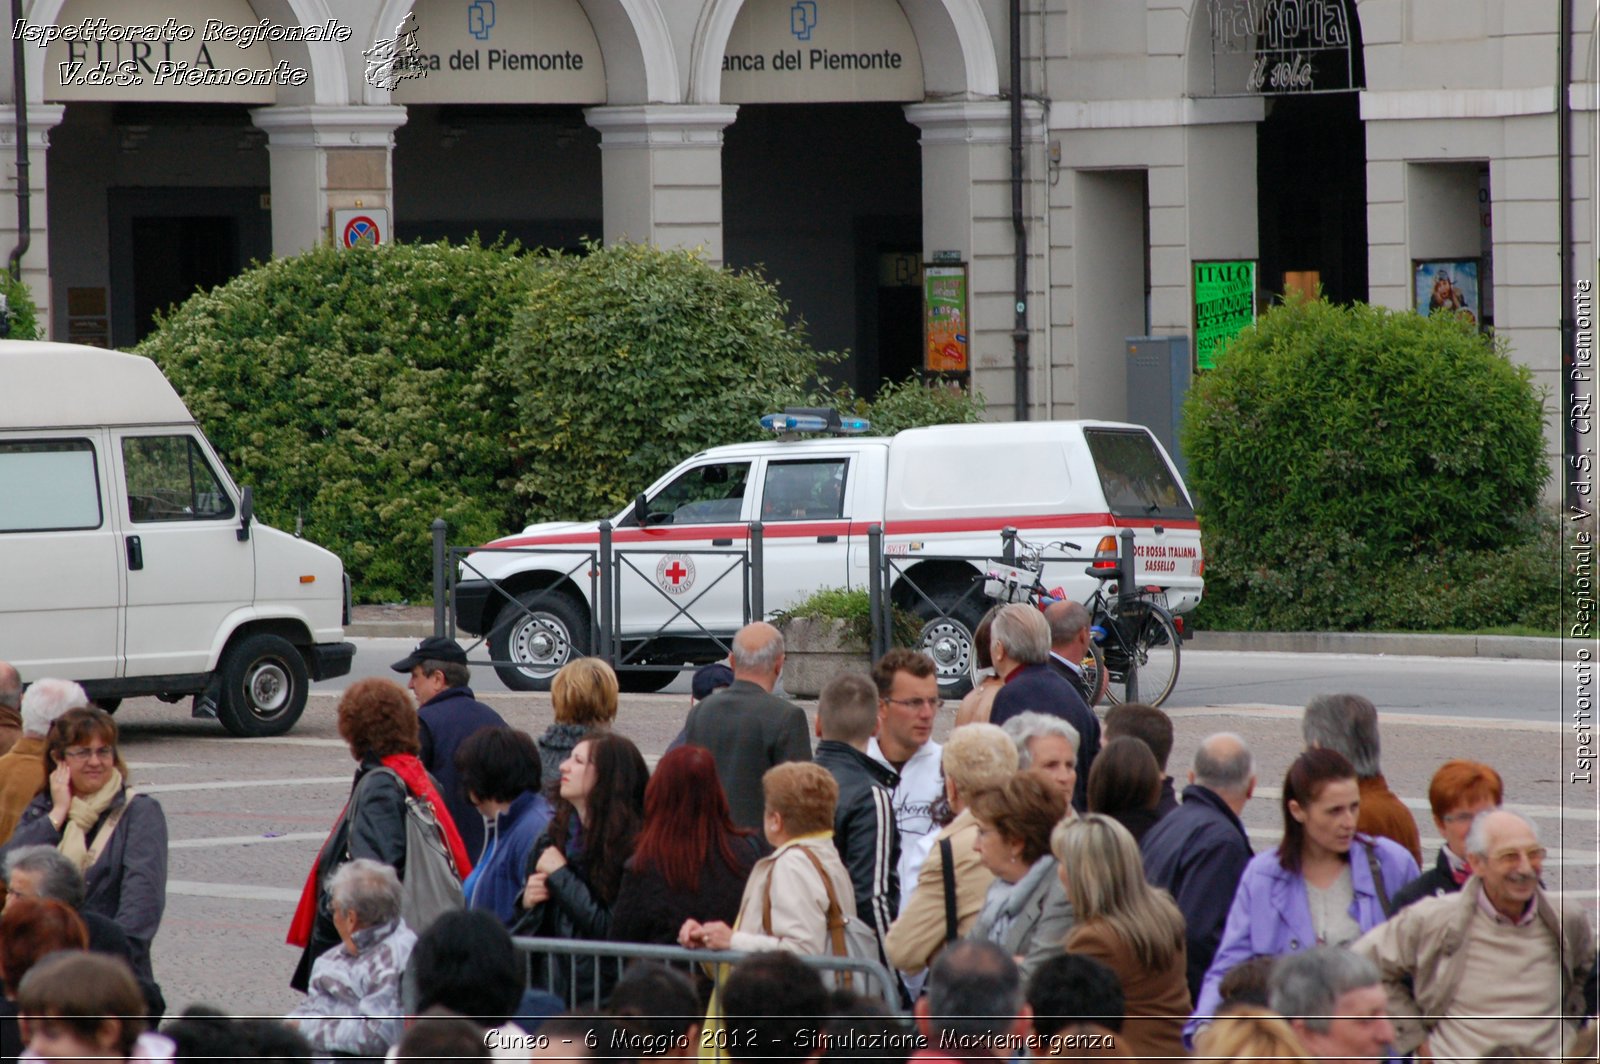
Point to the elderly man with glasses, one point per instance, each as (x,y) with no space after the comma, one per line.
(1499,962)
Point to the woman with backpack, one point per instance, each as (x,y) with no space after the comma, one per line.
(379,724)
(574,870)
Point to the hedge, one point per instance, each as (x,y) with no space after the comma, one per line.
(1360,468)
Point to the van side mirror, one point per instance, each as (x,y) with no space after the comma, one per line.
(247,512)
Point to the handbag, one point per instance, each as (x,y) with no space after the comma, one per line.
(431,886)
(848,936)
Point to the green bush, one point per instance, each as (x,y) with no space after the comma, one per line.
(1359,468)
(854,607)
(348,387)
(911,404)
(24,312)
(628,359)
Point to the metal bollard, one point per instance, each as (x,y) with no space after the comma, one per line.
(758,608)
(605,629)
(880,637)
(1125,591)
(439,617)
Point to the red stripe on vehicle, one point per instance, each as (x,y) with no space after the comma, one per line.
(796,529)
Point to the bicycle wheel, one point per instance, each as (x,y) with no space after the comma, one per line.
(1094,674)
(1151,653)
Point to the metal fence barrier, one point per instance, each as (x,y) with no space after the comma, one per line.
(610,960)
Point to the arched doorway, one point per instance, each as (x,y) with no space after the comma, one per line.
(822,173)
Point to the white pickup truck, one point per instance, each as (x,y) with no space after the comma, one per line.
(942,493)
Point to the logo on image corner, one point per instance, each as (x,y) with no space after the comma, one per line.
(803,19)
(395,60)
(480,18)
(675,574)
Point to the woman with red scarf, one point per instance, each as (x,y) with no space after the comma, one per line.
(378,721)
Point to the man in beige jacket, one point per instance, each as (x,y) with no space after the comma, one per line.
(1500,962)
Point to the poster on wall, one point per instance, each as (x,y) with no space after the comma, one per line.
(1224,304)
(1447,284)
(944,319)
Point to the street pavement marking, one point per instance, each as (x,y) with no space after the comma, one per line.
(1426,720)
(244,840)
(230,785)
(1576,811)
(1554,858)
(192,889)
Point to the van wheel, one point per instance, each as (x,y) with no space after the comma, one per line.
(947,637)
(264,686)
(542,632)
(108,704)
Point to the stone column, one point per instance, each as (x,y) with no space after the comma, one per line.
(661,170)
(42,118)
(966,207)
(326,158)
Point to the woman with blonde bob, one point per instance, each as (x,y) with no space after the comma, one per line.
(1249,1032)
(976,758)
(583,696)
(785,902)
(1129,926)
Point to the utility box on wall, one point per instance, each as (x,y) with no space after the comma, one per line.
(1158,379)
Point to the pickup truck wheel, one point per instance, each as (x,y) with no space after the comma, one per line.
(947,638)
(544,631)
(264,686)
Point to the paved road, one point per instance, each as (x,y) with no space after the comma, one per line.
(1482,688)
(247,816)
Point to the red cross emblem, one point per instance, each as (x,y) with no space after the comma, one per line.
(675,574)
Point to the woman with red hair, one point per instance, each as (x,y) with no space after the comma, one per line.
(691,860)
(1459,792)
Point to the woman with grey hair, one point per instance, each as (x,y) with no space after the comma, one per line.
(352,1005)
(1048,744)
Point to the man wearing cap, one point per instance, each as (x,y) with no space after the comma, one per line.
(448,713)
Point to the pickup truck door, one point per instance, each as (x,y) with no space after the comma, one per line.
(805,510)
(186,568)
(59,557)
(666,561)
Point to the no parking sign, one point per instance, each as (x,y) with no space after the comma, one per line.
(361,226)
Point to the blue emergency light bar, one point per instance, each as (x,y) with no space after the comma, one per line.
(815,419)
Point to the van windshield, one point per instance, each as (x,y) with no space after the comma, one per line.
(1136,478)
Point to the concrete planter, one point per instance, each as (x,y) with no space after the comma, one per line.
(815,651)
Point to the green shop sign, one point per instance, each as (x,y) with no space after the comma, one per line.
(1224,303)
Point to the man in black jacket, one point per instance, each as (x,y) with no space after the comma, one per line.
(448,712)
(864,830)
(1198,853)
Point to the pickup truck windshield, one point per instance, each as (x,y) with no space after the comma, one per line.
(1134,475)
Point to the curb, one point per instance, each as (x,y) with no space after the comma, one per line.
(1399,644)
(1395,643)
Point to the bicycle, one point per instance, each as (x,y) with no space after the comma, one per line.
(1136,641)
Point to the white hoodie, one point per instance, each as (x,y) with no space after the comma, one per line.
(921,784)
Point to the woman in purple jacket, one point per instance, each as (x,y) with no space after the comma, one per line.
(1322,885)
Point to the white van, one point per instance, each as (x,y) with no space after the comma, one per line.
(942,493)
(129,560)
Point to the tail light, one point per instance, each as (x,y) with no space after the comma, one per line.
(1105,553)
(1177,622)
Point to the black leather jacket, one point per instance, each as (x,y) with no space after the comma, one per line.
(864,830)
(574,910)
(373,826)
